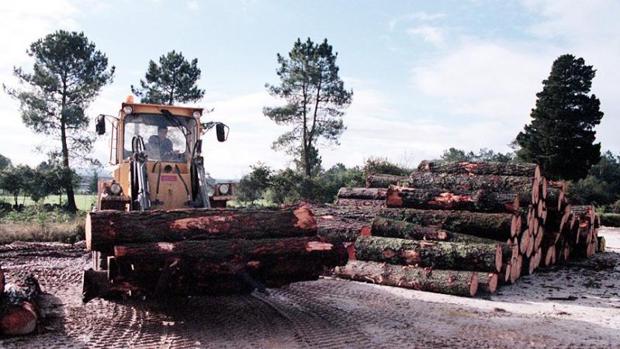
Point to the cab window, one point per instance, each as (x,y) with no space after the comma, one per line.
(163,137)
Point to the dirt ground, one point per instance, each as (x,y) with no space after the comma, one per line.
(574,306)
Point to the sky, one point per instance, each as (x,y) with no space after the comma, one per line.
(426,75)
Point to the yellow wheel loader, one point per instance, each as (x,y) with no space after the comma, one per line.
(160,226)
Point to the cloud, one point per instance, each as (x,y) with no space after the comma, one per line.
(430,34)
(414,16)
(193,5)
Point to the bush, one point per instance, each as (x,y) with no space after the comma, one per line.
(383,165)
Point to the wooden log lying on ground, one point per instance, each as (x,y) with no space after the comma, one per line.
(487,282)
(459,283)
(464,183)
(498,226)
(361,203)
(225,250)
(478,201)
(481,168)
(362,193)
(382,180)
(387,227)
(19,311)
(441,255)
(105,229)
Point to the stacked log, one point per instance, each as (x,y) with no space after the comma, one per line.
(498,220)
(19,310)
(206,251)
(361,197)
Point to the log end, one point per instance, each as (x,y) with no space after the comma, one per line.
(473,285)
(492,283)
(19,319)
(351,252)
(498,257)
(366,231)
(305,219)
(393,198)
(88,233)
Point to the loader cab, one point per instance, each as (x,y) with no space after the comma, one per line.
(165,140)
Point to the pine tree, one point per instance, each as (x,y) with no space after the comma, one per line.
(315,99)
(561,135)
(171,81)
(68,74)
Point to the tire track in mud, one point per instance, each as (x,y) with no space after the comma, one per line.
(328,313)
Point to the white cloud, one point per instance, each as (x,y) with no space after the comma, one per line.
(193,5)
(430,34)
(414,16)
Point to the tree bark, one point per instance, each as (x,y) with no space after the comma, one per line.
(442,255)
(361,203)
(105,229)
(221,251)
(481,168)
(477,201)
(383,180)
(362,193)
(464,183)
(459,283)
(497,226)
(386,227)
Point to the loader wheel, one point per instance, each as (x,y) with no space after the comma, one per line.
(100,261)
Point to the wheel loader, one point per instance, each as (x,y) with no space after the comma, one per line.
(160,225)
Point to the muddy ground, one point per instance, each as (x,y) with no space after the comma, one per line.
(574,306)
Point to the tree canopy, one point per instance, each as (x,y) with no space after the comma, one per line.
(315,101)
(171,81)
(561,134)
(67,75)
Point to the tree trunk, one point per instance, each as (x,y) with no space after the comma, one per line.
(459,283)
(477,201)
(19,312)
(362,193)
(464,183)
(442,255)
(382,180)
(481,168)
(68,177)
(386,227)
(498,226)
(105,229)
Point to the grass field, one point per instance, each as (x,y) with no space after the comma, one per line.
(83,202)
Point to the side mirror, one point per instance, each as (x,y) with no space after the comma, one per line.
(100,124)
(222,132)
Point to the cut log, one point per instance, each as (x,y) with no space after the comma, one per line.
(464,183)
(386,227)
(441,255)
(361,203)
(382,180)
(362,193)
(487,282)
(457,283)
(19,311)
(478,201)
(105,229)
(497,226)
(481,168)
(225,250)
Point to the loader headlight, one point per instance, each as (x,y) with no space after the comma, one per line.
(224,188)
(196,114)
(210,190)
(128,109)
(115,188)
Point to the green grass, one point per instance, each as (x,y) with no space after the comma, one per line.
(83,202)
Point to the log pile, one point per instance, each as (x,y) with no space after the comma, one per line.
(19,310)
(463,227)
(205,251)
